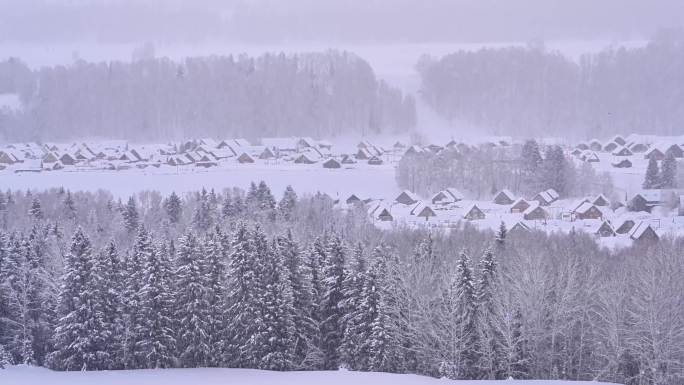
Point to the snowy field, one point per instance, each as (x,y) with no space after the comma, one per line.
(22,375)
(375,181)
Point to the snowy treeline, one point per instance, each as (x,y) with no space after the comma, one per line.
(244,280)
(313,94)
(533,91)
(484,170)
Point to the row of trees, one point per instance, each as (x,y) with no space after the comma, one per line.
(317,94)
(532,91)
(665,178)
(295,284)
(483,170)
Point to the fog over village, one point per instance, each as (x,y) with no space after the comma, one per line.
(367,192)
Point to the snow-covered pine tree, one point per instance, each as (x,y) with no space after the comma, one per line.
(243,300)
(490,354)
(203,217)
(19,283)
(531,163)
(252,197)
(356,320)
(133,357)
(228,209)
(287,204)
(36,211)
(460,320)
(668,172)
(69,207)
(383,341)
(216,258)
(78,335)
(113,275)
(130,216)
(173,207)
(265,197)
(299,278)
(333,295)
(192,303)
(652,177)
(277,310)
(501,235)
(156,344)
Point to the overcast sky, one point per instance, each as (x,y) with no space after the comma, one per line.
(271,21)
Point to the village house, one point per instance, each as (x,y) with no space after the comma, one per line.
(654,153)
(582,146)
(406,197)
(601,200)
(380,212)
(375,161)
(473,213)
(643,232)
(346,159)
(603,229)
(504,197)
(638,147)
(352,199)
(420,209)
(245,158)
(624,225)
(331,163)
(590,157)
(447,196)
(535,213)
(610,147)
(519,228)
(622,151)
(595,145)
(519,206)
(547,197)
(587,210)
(619,140)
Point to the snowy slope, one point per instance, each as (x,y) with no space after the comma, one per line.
(23,375)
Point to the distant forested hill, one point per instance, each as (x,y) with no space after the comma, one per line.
(535,92)
(313,94)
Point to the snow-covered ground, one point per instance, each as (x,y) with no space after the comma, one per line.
(23,375)
(367,181)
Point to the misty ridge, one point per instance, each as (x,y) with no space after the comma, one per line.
(518,91)
(316,94)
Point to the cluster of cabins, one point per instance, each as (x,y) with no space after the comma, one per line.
(596,215)
(205,153)
(623,150)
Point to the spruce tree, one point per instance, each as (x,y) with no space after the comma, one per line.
(652,178)
(156,343)
(173,207)
(277,312)
(192,303)
(36,211)
(112,283)
(216,257)
(203,216)
(18,285)
(79,332)
(5,357)
(491,357)
(228,209)
(134,281)
(130,216)
(69,207)
(299,278)
(243,300)
(668,177)
(287,204)
(356,319)
(333,295)
(383,339)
